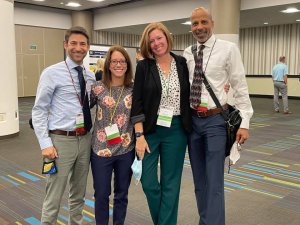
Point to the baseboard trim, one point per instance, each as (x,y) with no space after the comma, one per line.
(271,96)
(9,136)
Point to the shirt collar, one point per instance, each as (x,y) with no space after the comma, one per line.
(209,43)
(71,63)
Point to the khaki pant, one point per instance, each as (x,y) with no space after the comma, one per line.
(73,167)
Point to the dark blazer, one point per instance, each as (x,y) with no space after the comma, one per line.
(147,93)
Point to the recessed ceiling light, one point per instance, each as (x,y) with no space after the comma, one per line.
(187,23)
(38,0)
(73,4)
(298,20)
(62,3)
(266,23)
(290,10)
(96,0)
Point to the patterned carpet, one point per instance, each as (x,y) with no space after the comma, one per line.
(263,188)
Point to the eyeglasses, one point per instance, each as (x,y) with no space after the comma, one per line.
(115,62)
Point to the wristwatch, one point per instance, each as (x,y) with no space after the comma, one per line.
(139,134)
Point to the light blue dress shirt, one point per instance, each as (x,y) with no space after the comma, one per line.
(279,71)
(57,104)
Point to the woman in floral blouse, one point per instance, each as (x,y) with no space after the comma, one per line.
(112,142)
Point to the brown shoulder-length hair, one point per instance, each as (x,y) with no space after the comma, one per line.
(106,79)
(145,42)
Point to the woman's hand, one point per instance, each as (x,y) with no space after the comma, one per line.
(141,146)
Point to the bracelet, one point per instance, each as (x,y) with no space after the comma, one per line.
(139,134)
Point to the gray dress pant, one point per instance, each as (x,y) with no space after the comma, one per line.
(73,166)
(280,87)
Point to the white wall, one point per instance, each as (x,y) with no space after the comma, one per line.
(252,4)
(9,119)
(144,12)
(125,15)
(38,16)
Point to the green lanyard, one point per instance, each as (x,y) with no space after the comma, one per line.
(113,113)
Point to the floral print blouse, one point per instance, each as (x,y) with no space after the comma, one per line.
(105,106)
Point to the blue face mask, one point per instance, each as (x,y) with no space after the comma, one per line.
(136,168)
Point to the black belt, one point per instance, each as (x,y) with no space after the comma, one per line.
(67,133)
(209,112)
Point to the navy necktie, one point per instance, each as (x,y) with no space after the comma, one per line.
(84,100)
(195,96)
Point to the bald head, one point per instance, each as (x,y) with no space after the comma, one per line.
(202,24)
(201,10)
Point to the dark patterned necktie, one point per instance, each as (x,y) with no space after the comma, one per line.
(84,100)
(195,96)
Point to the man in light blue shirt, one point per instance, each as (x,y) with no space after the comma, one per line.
(62,121)
(279,75)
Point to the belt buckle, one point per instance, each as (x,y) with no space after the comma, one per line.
(201,114)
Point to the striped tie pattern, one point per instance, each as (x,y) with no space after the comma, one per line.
(84,100)
(197,80)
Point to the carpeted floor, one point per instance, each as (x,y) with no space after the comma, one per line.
(263,188)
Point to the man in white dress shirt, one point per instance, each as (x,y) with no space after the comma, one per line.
(222,63)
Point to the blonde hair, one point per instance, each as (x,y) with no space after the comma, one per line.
(99,65)
(145,42)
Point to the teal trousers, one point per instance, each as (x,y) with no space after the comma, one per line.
(169,146)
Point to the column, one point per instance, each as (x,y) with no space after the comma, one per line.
(9,115)
(83,19)
(226,16)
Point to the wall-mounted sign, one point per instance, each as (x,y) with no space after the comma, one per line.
(33,47)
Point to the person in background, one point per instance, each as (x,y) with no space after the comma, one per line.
(99,69)
(62,121)
(138,56)
(280,79)
(113,136)
(220,61)
(161,117)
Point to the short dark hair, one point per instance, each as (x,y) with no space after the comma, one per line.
(281,58)
(77,30)
(106,78)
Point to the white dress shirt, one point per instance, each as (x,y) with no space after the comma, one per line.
(224,65)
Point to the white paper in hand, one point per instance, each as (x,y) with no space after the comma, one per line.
(235,152)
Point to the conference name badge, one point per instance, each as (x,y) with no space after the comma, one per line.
(112,134)
(204,100)
(79,124)
(165,116)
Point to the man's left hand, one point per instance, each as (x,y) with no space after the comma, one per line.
(242,135)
